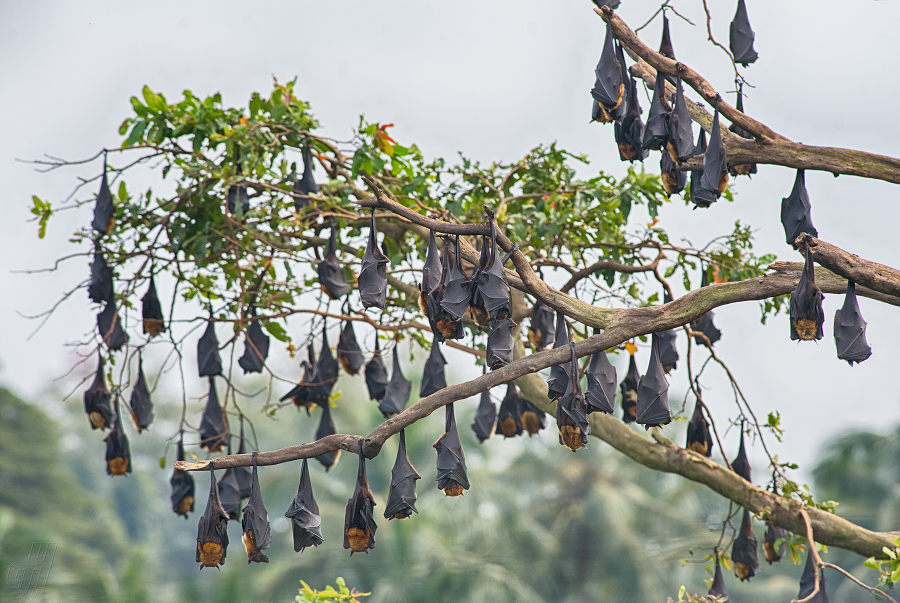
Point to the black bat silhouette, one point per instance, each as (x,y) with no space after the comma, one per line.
(665,45)
(255,523)
(533,418)
(541,332)
(256,347)
(717,588)
(331,274)
(609,89)
(850,329)
(485,417)
(743,552)
(509,421)
(140,403)
(807,315)
(118,454)
(808,580)
(431,273)
(209,363)
(104,210)
(182,484)
(401,501)
(359,525)
(774,534)
(212,530)
(681,136)
(559,377)
(656,133)
(230,494)
(109,326)
(653,392)
(398,390)
(299,394)
(600,393)
(629,387)
(376,375)
(740,37)
(673,179)
(325,373)
(628,128)
(327,428)
(213,429)
(457,292)
(151,312)
(500,343)
(243,475)
(348,351)
(698,437)
(741,464)
(433,377)
(100,287)
(451,460)
(306,523)
(571,417)
(307,184)
(796,211)
(705,324)
(742,169)
(372,279)
(714,179)
(96,400)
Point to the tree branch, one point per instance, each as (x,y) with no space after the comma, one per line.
(878,277)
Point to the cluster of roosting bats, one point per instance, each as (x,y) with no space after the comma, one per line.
(447,294)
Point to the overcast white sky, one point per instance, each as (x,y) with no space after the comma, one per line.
(492,79)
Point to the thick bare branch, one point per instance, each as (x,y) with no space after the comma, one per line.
(878,277)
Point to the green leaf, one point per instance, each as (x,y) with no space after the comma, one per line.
(154,101)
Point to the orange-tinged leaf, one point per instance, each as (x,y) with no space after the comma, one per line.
(632,349)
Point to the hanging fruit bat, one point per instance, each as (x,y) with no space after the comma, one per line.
(348,351)
(653,392)
(698,437)
(327,428)
(500,344)
(673,179)
(717,588)
(681,136)
(307,184)
(376,375)
(299,394)
(808,581)
(237,192)
(704,324)
(96,400)
(331,275)
(140,403)
(807,315)
(714,179)
(490,291)
(213,429)
(243,475)
(443,324)
(359,525)
(743,169)
(541,332)
(230,494)
(256,347)
(457,294)
(325,373)
(628,128)
(740,37)
(850,329)
(433,378)
(743,552)
(255,523)
(796,211)
(372,279)
(656,133)
(559,377)
(600,394)
(451,460)
(699,150)
(629,387)
(533,418)
(401,501)
(306,523)
(209,363)
(151,312)
(118,454)
(668,352)
(774,534)
(741,464)
(398,390)
(509,421)
(665,45)
(212,530)
(100,287)
(609,89)
(110,326)
(571,419)
(485,416)
(104,210)
(431,273)
(182,484)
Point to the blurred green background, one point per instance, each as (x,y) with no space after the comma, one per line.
(540,523)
